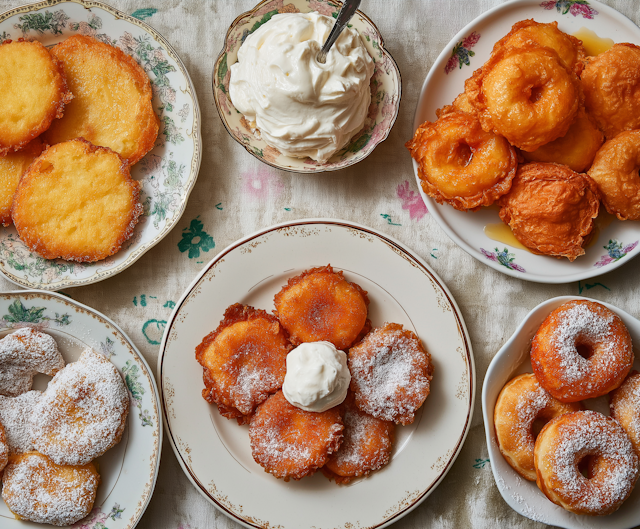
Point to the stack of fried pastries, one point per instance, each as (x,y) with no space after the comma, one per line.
(528,133)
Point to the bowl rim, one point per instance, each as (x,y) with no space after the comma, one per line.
(320,168)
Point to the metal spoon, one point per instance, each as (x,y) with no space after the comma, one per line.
(345,14)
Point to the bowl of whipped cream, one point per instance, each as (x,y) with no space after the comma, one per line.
(292,112)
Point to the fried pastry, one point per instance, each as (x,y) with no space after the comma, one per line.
(624,404)
(76,202)
(461,164)
(14,415)
(321,305)
(34,92)
(36,489)
(112,106)
(4,448)
(243,360)
(82,413)
(551,209)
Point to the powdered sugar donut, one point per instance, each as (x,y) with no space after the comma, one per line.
(24,353)
(582,350)
(82,413)
(14,415)
(4,448)
(613,464)
(625,408)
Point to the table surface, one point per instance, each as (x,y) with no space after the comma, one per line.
(236,195)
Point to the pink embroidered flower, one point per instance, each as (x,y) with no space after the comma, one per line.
(452,63)
(262,184)
(471,40)
(411,201)
(584,10)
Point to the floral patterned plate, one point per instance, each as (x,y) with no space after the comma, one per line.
(214,452)
(521,495)
(129,470)
(386,88)
(167,173)
(616,242)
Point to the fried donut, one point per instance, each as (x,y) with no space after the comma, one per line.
(625,408)
(82,413)
(522,408)
(292,443)
(391,373)
(34,93)
(321,305)
(112,106)
(366,445)
(615,171)
(76,202)
(14,416)
(461,164)
(12,167)
(569,49)
(576,149)
(24,353)
(36,489)
(613,465)
(4,448)
(551,209)
(611,84)
(243,360)
(526,95)
(581,351)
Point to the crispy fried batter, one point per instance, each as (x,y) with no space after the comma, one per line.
(112,106)
(461,164)
(12,167)
(34,93)
(321,305)
(576,149)
(76,202)
(292,443)
(551,209)
(611,84)
(243,360)
(366,445)
(526,95)
(615,171)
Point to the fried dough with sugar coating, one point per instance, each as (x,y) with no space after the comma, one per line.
(112,106)
(615,171)
(551,209)
(243,360)
(76,202)
(461,164)
(34,93)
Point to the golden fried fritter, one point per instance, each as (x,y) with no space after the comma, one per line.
(243,360)
(321,305)
(112,106)
(76,202)
(34,93)
(12,167)
(551,209)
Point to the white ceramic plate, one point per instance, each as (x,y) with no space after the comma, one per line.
(617,243)
(524,496)
(167,173)
(214,452)
(129,470)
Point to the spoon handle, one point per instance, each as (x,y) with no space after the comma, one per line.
(348,10)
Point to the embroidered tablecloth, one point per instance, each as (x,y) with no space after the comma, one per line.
(236,195)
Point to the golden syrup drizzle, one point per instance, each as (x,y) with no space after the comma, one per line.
(593,45)
(502,233)
(599,225)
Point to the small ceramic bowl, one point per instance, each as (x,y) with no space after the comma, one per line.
(521,495)
(386,88)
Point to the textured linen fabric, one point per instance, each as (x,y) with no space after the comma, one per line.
(236,195)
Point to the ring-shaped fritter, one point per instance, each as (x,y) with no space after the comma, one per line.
(461,164)
(243,360)
(624,403)
(526,95)
(615,171)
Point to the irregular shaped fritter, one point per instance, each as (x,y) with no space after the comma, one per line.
(321,305)
(34,93)
(551,209)
(4,448)
(243,360)
(76,202)
(14,415)
(112,105)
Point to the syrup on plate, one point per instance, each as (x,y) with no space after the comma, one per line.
(593,45)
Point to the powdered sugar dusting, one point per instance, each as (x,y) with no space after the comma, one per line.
(82,413)
(14,416)
(527,409)
(625,407)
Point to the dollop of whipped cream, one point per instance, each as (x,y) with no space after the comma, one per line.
(301,107)
(317,376)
